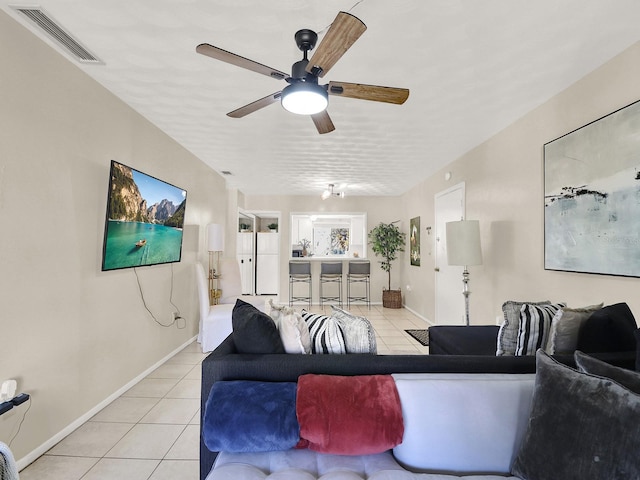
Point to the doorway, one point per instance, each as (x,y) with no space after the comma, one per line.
(449,207)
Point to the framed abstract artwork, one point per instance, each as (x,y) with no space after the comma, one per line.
(592,197)
(414,241)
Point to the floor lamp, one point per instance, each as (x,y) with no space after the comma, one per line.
(463,249)
(215,245)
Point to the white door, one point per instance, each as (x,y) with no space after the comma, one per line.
(449,206)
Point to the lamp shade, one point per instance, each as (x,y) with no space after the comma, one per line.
(463,243)
(215,238)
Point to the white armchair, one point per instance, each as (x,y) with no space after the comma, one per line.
(215,320)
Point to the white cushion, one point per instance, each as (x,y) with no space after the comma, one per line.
(237,470)
(318,465)
(276,311)
(216,326)
(230,280)
(307,465)
(294,333)
(463,422)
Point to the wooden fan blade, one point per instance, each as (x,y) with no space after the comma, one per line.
(238,61)
(342,33)
(369,92)
(323,122)
(257,105)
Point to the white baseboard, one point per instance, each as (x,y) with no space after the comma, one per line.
(42,449)
(429,323)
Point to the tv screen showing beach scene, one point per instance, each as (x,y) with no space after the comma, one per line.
(145,219)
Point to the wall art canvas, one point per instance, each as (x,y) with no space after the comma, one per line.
(339,241)
(330,241)
(592,197)
(414,241)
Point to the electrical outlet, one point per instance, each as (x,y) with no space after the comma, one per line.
(8,390)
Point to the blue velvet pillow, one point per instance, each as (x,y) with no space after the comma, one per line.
(247,416)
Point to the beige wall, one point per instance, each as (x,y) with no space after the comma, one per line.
(70,334)
(504,190)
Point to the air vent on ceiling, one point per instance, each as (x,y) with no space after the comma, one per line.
(57,33)
(226,172)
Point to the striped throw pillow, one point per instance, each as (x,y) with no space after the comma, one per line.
(508,333)
(359,335)
(325,332)
(535,325)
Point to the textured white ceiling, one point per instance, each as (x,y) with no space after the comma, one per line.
(473,67)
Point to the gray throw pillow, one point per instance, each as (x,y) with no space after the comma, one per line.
(565,327)
(359,335)
(581,427)
(626,378)
(508,333)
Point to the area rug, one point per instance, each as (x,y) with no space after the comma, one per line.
(421,336)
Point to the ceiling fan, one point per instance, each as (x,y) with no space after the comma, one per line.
(304,95)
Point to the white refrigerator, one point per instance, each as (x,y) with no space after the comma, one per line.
(267,263)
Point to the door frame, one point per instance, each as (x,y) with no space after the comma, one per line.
(441,265)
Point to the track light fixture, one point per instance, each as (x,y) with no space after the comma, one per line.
(330,193)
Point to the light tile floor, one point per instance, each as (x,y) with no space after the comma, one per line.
(151,432)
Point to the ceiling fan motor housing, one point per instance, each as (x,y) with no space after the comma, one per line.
(298,70)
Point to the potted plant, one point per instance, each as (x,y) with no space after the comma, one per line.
(305,244)
(273,227)
(244,227)
(387,240)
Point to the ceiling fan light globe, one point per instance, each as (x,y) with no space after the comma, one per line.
(304,99)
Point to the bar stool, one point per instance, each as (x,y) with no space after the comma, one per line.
(299,272)
(331,272)
(359,272)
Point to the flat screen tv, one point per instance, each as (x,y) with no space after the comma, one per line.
(145,218)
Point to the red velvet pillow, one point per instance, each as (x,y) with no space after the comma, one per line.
(358,415)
